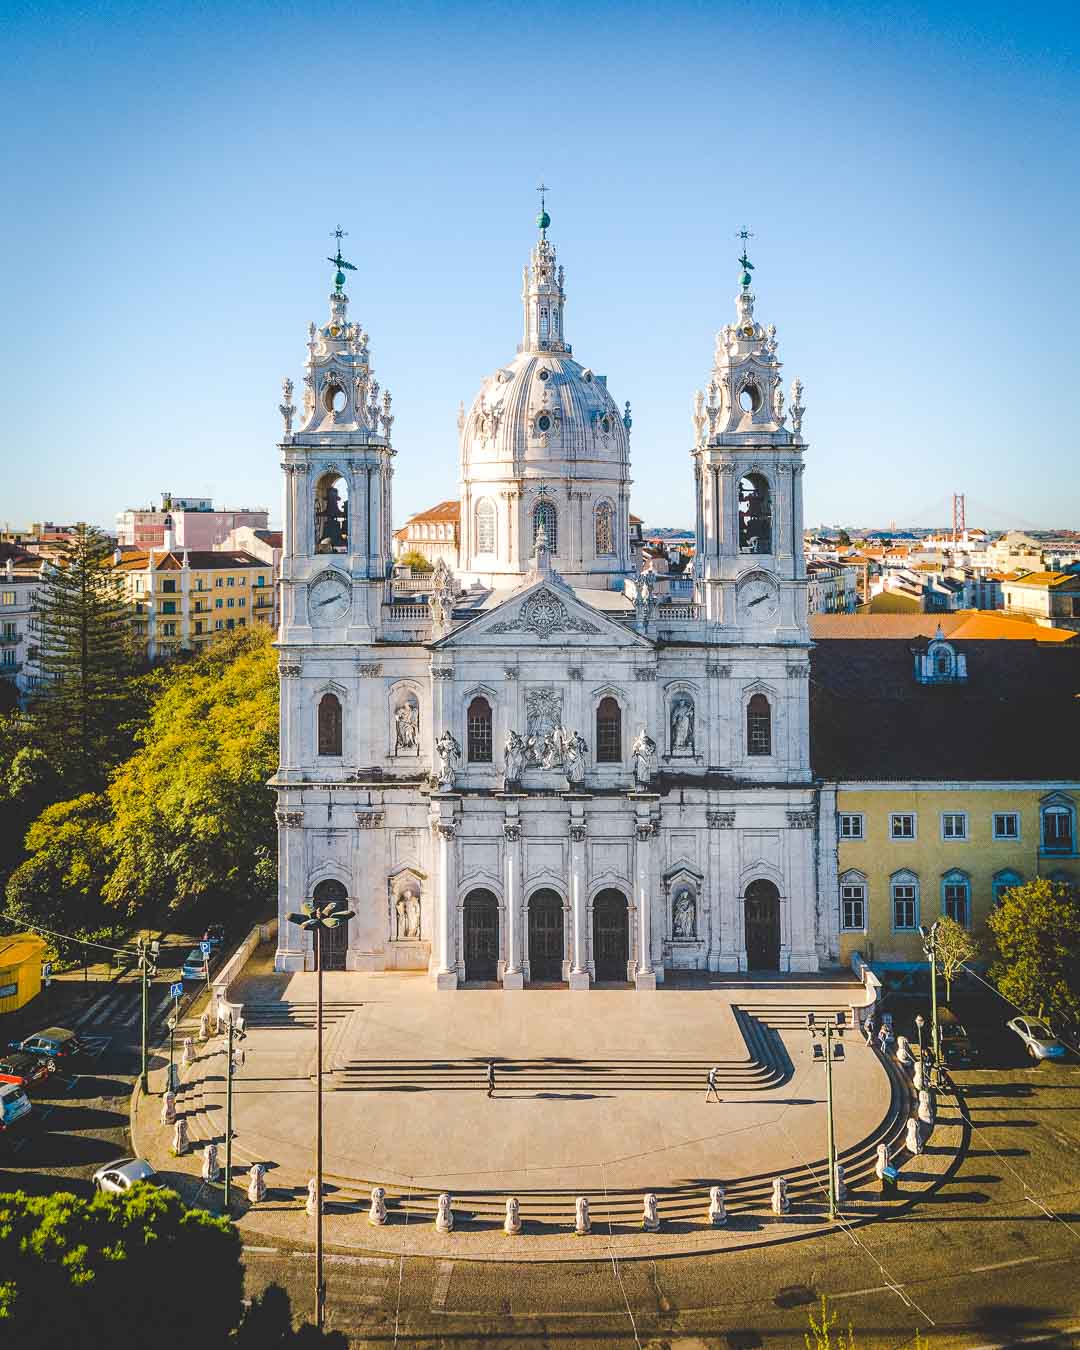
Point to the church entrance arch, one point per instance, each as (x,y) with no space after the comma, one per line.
(333,942)
(611,936)
(762,926)
(545,936)
(481,936)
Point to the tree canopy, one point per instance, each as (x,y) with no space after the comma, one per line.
(1036,927)
(954,946)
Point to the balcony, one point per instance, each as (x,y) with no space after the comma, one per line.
(10,639)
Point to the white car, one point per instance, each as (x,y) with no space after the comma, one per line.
(1040,1040)
(118,1177)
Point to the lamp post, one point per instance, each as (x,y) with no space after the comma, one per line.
(318,919)
(148,952)
(929,940)
(825,1052)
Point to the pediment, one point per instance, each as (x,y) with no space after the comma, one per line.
(545,614)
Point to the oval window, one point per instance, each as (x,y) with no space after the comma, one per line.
(606,424)
(543,423)
(543,374)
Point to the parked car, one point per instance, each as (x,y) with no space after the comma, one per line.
(24,1069)
(56,1042)
(194,967)
(14,1105)
(117,1177)
(215,935)
(956,1046)
(1040,1041)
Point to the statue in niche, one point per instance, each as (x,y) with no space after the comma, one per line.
(448,753)
(543,730)
(684,914)
(408,915)
(574,751)
(682,725)
(407,728)
(643,753)
(513,759)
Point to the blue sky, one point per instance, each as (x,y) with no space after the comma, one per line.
(910,172)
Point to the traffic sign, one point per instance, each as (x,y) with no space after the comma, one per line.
(176,990)
(204,947)
(46,973)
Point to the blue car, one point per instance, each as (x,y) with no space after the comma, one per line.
(194,967)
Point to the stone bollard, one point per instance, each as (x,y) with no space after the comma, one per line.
(204,1027)
(650,1217)
(913,1139)
(309,1203)
(168,1108)
(882,1160)
(444,1216)
(917,1076)
(210,1169)
(926,1108)
(582,1222)
(717,1210)
(512,1222)
(188,1057)
(780,1202)
(904,1056)
(840,1182)
(180,1139)
(377,1212)
(257,1183)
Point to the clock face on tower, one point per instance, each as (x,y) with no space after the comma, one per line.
(757,601)
(328,599)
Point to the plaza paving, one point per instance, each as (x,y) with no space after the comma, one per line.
(599,1094)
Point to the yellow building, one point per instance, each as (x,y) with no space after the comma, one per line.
(181,599)
(20,970)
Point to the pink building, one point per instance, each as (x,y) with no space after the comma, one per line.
(195,523)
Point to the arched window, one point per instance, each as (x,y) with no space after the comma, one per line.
(853,901)
(956,897)
(545,514)
(758,726)
(1057,828)
(905,901)
(605,529)
(943,662)
(329,725)
(1005,881)
(479,731)
(331,514)
(485,526)
(755,514)
(608,732)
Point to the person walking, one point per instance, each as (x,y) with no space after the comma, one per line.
(711,1088)
(868,1028)
(491,1078)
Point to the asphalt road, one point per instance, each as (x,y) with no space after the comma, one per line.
(991,1260)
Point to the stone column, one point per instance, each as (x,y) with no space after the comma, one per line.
(292,944)
(446,963)
(513,977)
(579,966)
(645,976)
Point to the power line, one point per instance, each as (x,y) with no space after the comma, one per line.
(65,937)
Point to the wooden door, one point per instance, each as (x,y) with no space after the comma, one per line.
(762,926)
(545,936)
(481,936)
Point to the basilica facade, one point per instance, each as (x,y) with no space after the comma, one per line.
(539,766)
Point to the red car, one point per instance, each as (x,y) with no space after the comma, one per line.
(25,1069)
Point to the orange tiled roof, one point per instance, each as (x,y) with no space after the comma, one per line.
(967,624)
(204,560)
(1051,580)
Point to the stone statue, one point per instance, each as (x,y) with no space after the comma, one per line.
(643,753)
(650,1218)
(444,1216)
(780,1202)
(913,1138)
(180,1139)
(412,915)
(904,1056)
(168,1108)
(926,1108)
(407,728)
(684,914)
(512,1222)
(682,725)
(917,1079)
(840,1181)
(257,1183)
(644,595)
(311,1203)
(881,1160)
(582,1222)
(717,1209)
(377,1212)
(401,916)
(188,1056)
(204,1027)
(513,760)
(210,1168)
(286,407)
(574,750)
(449,753)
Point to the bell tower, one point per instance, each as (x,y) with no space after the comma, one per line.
(748,465)
(337,470)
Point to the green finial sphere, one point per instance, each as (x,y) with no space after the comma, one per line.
(543,220)
(744,280)
(339,280)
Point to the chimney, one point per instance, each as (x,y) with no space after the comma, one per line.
(118,556)
(170,535)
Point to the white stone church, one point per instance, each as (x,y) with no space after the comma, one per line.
(538,767)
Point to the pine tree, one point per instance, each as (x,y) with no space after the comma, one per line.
(85,655)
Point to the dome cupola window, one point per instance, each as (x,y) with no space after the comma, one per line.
(546,515)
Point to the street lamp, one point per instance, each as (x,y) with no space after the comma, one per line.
(929,943)
(234,1061)
(825,1052)
(317,919)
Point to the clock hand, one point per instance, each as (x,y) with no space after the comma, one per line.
(757,601)
(328,601)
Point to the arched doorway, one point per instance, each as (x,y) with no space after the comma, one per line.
(545,936)
(333,942)
(762,926)
(611,936)
(481,936)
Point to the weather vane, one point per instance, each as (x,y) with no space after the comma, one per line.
(744,235)
(338,261)
(543,219)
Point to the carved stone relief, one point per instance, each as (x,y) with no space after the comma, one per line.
(544,614)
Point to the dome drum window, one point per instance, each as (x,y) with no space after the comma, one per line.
(546,515)
(485,526)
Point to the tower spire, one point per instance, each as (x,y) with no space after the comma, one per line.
(339,262)
(744,262)
(543,220)
(542,291)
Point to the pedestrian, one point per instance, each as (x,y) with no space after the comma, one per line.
(711,1088)
(885,1038)
(868,1028)
(491,1078)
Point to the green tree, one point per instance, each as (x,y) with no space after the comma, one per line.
(820,1335)
(28,783)
(843,539)
(59,884)
(1036,928)
(85,647)
(191,815)
(416,561)
(955,946)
